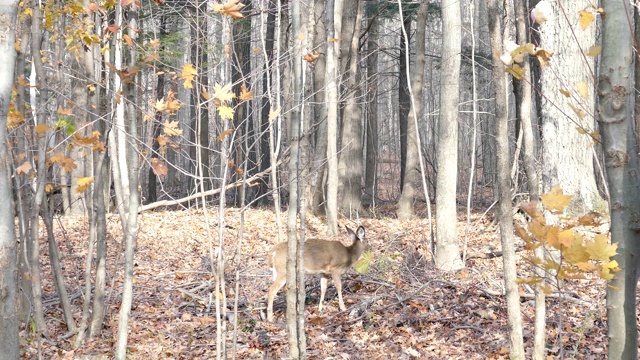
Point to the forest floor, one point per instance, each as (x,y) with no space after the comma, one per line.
(402,308)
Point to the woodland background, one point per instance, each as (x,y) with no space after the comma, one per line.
(157,150)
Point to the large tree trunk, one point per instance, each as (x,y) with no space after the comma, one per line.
(567,155)
(319,166)
(504,186)
(8,261)
(448,249)
(350,166)
(405,205)
(371,125)
(615,107)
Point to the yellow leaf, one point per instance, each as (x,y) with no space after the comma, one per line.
(586,266)
(600,249)
(83,183)
(533,211)
(516,71)
(171,128)
(552,238)
(577,253)
(581,113)
(231,8)
(24,168)
(565,93)
(565,238)
(41,129)
(544,56)
(48,188)
(224,134)
(538,230)
(225,112)
(188,73)
(594,51)
(582,89)
(245,94)
(273,114)
(556,200)
(222,93)
(586,18)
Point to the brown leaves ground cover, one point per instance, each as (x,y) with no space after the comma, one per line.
(401,309)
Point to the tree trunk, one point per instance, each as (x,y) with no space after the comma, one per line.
(405,205)
(504,186)
(319,165)
(448,249)
(371,125)
(567,155)
(404,99)
(334,25)
(8,264)
(350,166)
(615,107)
(522,92)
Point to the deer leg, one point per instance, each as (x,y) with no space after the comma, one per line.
(323,290)
(278,283)
(338,282)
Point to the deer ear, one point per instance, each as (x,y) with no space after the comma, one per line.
(360,232)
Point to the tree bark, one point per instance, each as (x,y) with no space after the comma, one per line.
(615,107)
(405,205)
(567,155)
(447,248)
(504,186)
(8,261)
(334,26)
(350,165)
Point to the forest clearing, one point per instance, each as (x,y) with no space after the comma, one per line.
(403,308)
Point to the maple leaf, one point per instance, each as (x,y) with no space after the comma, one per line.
(565,238)
(310,57)
(556,200)
(159,167)
(594,51)
(48,188)
(24,168)
(188,73)
(41,129)
(230,8)
(586,18)
(583,89)
(225,112)
(516,71)
(576,253)
(273,114)
(245,94)
(83,183)
(171,128)
(600,249)
(222,93)
(362,265)
(544,56)
(160,105)
(224,134)
(533,211)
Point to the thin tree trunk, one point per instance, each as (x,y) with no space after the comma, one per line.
(334,26)
(448,249)
(522,92)
(615,106)
(504,186)
(405,205)
(56,268)
(371,127)
(404,99)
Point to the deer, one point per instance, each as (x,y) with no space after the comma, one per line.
(327,258)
